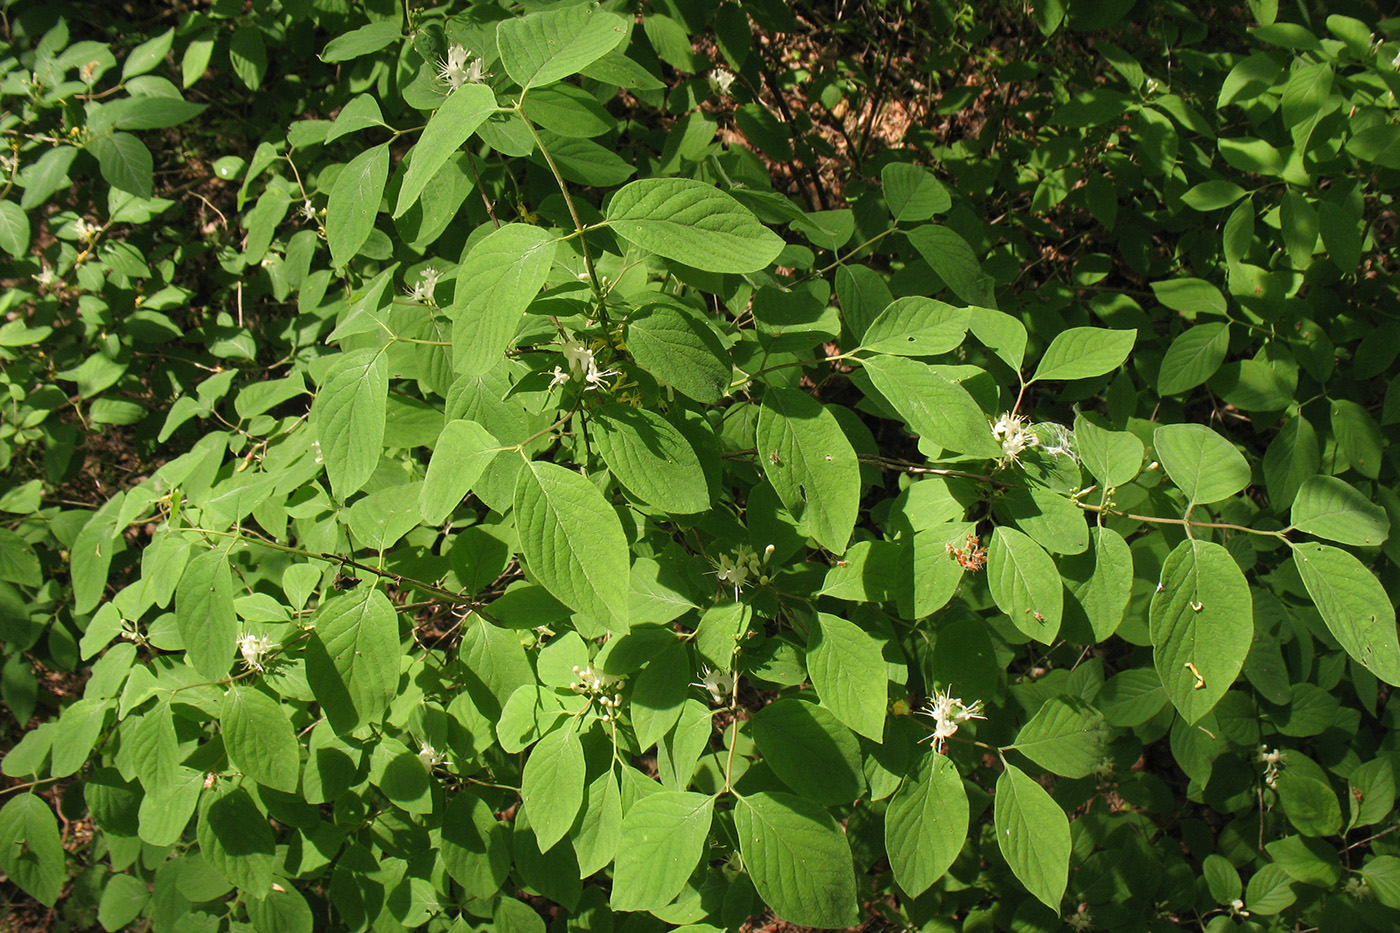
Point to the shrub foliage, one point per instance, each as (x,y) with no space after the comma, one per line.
(587,471)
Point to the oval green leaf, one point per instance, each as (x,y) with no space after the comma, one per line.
(1205,465)
(1033,834)
(572,542)
(798,858)
(1202,626)
(1084,352)
(693,223)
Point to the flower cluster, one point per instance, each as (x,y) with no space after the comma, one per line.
(583,364)
(597,685)
(85,231)
(1081,919)
(971,555)
(735,571)
(1273,760)
(720,81)
(718,684)
(1014,434)
(457,71)
(426,287)
(431,757)
(948,712)
(254,649)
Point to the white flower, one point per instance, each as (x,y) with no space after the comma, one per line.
(46,277)
(720,81)
(307,210)
(1273,760)
(85,231)
(1014,435)
(560,377)
(427,285)
(254,649)
(457,71)
(1357,888)
(431,757)
(583,364)
(949,712)
(718,684)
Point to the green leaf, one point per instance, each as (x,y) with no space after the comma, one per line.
(811,464)
(1293,455)
(495,284)
(349,412)
(1202,626)
(1355,606)
(848,670)
(955,262)
(663,838)
(572,542)
(913,193)
(475,845)
(1358,437)
(935,408)
(917,326)
(693,223)
(236,841)
(514,916)
(281,911)
(1193,357)
(259,738)
(1113,457)
(462,452)
(31,853)
(1066,736)
(123,900)
(1189,296)
(552,785)
(204,614)
(809,750)
(14,229)
(1025,584)
(598,831)
(353,203)
(1330,508)
(352,658)
(78,728)
(682,350)
(1051,519)
(541,48)
(1002,333)
(1102,586)
(1084,352)
(448,128)
(124,161)
(798,858)
(145,58)
(1212,195)
(926,824)
(1033,834)
(361,41)
(659,694)
(651,459)
(1205,465)
(247,54)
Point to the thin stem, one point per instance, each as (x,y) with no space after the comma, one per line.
(1184,522)
(573,213)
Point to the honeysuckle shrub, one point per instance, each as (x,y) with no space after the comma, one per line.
(537,516)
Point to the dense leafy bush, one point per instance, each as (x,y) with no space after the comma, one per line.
(484,499)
